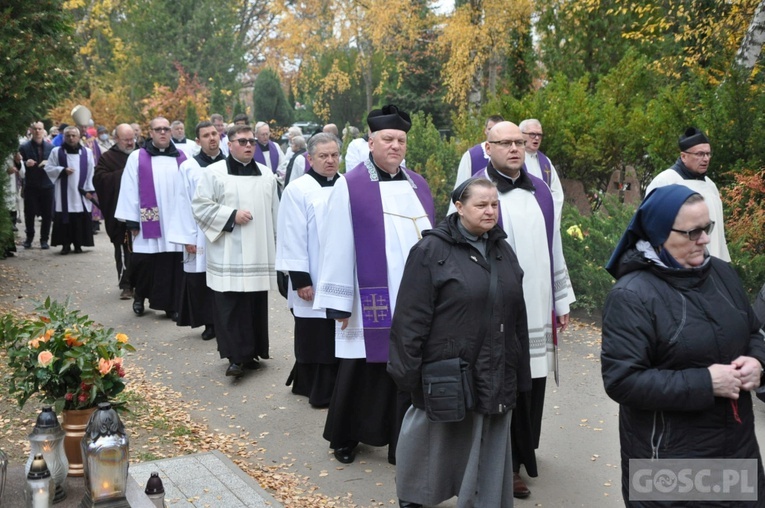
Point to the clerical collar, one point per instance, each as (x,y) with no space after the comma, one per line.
(682,170)
(182,140)
(323,180)
(71,149)
(384,175)
(170,151)
(535,154)
(507,184)
(264,147)
(237,167)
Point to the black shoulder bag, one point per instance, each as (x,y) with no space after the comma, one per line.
(447,385)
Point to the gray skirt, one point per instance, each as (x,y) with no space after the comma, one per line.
(470,459)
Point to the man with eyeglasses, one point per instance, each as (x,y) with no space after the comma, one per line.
(301,217)
(377,213)
(196,304)
(107,179)
(475,158)
(539,165)
(690,170)
(37,188)
(145,203)
(70,169)
(528,217)
(236,205)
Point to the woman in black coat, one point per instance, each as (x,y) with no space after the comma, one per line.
(682,353)
(442,300)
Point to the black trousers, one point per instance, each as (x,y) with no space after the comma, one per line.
(38,202)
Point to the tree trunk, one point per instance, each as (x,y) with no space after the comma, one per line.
(751,46)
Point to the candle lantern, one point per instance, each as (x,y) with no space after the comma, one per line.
(105,460)
(155,490)
(39,489)
(47,438)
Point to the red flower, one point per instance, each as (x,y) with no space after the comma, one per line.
(69,397)
(83,397)
(84,387)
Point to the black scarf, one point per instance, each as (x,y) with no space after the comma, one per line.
(237,168)
(170,151)
(205,160)
(505,184)
(686,173)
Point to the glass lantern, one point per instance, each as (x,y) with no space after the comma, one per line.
(47,438)
(105,460)
(39,489)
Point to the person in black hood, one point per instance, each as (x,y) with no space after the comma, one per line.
(682,350)
(441,312)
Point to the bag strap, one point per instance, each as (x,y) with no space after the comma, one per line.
(487,309)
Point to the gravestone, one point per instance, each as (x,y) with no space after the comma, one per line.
(573,192)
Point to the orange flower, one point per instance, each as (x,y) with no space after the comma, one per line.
(45,358)
(34,343)
(44,319)
(48,334)
(104,366)
(72,341)
(122,338)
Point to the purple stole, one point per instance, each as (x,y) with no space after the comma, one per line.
(272,154)
(478,160)
(371,262)
(307,164)
(147,195)
(545,167)
(65,179)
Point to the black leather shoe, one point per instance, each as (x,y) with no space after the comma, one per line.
(252,365)
(407,504)
(346,455)
(27,244)
(172,315)
(44,245)
(78,250)
(235,370)
(138,307)
(65,250)
(208,333)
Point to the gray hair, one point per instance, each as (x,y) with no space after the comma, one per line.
(259,125)
(528,123)
(70,128)
(294,131)
(321,138)
(299,142)
(177,123)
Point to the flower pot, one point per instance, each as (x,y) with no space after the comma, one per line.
(74,424)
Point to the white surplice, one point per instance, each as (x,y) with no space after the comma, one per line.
(465,169)
(184,229)
(302,222)
(524,223)
(241,260)
(164,172)
(76,202)
(338,286)
(556,188)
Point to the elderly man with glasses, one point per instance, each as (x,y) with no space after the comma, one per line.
(145,203)
(528,217)
(690,170)
(539,165)
(235,205)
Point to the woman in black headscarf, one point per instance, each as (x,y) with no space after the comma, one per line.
(682,350)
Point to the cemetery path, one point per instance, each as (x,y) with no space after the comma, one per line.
(578,458)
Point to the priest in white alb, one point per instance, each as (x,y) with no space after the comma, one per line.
(70,168)
(302,219)
(236,207)
(147,194)
(377,212)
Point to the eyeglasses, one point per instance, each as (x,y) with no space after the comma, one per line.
(244,142)
(695,234)
(161,130)
(700,155)
(535,135)
(507,143)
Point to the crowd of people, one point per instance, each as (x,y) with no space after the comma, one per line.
(204,228)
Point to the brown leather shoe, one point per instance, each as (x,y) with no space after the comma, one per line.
(520,490)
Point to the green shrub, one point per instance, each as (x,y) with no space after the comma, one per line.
(749,266)
(587,244)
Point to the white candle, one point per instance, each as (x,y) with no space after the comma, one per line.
(40,499)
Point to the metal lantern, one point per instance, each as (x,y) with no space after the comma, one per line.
(47,439)
(155,490)
(105,460)
(39,489)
